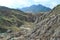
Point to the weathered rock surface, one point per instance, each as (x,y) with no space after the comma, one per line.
(48,28)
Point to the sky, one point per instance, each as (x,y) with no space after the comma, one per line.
(27,3)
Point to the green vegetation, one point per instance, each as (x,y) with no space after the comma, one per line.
(12,19)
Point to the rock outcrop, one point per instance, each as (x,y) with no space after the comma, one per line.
(48,28)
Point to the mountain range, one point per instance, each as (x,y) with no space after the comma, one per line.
(35,9)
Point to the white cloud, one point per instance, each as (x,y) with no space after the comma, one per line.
(48,3)
(53,4)
(24,3)
(41,1)
(15,3)
(6,2)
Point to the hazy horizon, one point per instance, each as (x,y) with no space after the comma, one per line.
(27,3)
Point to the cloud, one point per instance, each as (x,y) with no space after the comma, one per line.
(24,3)
(48,3)
(6,2)
(41,1)
(16,3)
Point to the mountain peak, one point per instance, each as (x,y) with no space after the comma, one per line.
(36,9)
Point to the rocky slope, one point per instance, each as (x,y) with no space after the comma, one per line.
(48,28)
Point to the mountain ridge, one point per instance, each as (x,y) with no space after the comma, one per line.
(36,9)
(13,18)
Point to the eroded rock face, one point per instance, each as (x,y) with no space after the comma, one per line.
(48,28)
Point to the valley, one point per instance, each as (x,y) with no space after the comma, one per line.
(18,25)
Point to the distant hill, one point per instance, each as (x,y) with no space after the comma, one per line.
(36,9)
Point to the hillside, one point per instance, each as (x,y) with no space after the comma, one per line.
(25,26)
(12,19)
(36,9)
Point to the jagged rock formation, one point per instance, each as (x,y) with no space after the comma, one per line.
(48,28)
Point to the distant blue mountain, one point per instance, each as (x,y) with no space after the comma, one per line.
(35,9)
